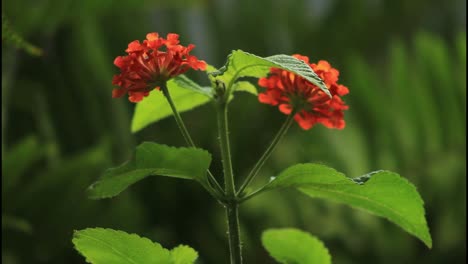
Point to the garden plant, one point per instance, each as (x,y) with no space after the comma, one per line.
(305,92)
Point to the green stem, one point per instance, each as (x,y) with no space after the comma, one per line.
(284,128)
(179,121)
(253,194)
(223,132)
(186,135)
(232,213)
(235,249)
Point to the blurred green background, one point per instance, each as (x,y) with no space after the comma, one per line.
(403,61)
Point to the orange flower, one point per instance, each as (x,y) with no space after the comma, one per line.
(289,91)
(147,66)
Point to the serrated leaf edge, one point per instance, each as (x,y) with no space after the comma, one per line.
(428,243)
(76,233)
(225,68)
(152,171)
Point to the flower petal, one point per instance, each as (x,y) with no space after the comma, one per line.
(289,91)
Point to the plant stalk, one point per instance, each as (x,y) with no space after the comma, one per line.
(223,132)
(179,121)
(235,248)
(186,135)
(232,213)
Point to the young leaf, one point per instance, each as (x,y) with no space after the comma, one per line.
(243,64)
(183,255)
(153,159)
(382,193)
(185,93)
(289,245)
(103,246)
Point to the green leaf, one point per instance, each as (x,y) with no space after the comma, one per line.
(243,64)
(185,93)
(184,82)
(153,159)
(382,193)
(183,255)
(245,86)
(103,246)
(293,246)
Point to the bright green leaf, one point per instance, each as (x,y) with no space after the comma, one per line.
(293,246)
(210,68)
(382,193)
(245,86)
(184,82)
(104,246)
(185,93)
(183,255)
(153,159)
(243,64)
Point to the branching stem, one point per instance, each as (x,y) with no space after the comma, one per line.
(180,123)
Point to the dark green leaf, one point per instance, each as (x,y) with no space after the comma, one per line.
(153,159)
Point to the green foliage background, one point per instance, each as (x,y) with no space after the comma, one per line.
(404,62)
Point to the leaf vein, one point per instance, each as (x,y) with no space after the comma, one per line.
(111,247)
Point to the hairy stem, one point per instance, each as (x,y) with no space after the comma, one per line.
(223,132)
(232,204)
(235,247)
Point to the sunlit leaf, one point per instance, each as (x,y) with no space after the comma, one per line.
(289,245)
(243,64)
(382,193)
(244,86)
(104,246)
(185,93)
(183,255)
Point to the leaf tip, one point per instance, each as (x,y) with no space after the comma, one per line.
(427,240)
(135,126)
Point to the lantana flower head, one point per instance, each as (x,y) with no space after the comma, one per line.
(151,63)
(310,104)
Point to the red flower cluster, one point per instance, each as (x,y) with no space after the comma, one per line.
(311,105)
(146,67)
